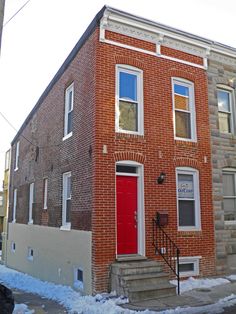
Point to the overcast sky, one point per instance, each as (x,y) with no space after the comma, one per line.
(38,39)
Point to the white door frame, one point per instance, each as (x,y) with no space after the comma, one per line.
(140,199)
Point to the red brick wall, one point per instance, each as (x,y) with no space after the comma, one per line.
(158,151)
(46,129)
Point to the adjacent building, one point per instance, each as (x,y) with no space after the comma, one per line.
(123,131)
(2,5)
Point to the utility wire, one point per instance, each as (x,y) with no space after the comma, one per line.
(16,13)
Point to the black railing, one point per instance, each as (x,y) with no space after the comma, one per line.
(165,247)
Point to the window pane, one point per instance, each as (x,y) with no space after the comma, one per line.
(181,90)
(70,100)
(68,194)
(186,213)
(69,122)
(224,122)
(128,116)
(128,86)
(186,267)
(182,123)
(223,100)
(185,186)
(181,102)
(230,216)
(127,169)
(68,210)
(229,205)
(228,185)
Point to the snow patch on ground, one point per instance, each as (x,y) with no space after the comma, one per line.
(22,309)
(192,283)
(231,277)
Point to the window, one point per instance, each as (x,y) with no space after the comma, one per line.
(66,200)
(30,255)
(31,201)
(1,200)
(189,266)
(13,247)
(129,100)
(45,193)
(78,279)
(7,160)
(17,156)
(225,115)
(69,103)
(229,194)
(14,205)
(188,199)
(184,109)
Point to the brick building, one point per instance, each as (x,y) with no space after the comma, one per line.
(120,133)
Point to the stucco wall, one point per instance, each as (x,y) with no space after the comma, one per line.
(56,253)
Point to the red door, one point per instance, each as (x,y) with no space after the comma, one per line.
(126,191)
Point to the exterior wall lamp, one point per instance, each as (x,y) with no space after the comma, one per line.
(161,178)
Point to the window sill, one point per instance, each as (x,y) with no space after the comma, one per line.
(30,222)
(130,132)
(230,222)
(189,229)
(66,227)
(67,136)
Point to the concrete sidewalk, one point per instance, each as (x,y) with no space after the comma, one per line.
(38,304)
(192,298)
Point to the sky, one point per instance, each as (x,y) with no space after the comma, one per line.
(39,38)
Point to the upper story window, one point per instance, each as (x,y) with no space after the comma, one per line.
(188,202)
(66,201)
(129,100)
(17,155)
(69,103)
(7,160)
(229,194)
(184,109)
(225,110)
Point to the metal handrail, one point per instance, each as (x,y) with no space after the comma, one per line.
(166,247)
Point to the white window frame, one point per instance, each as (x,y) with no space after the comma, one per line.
(67,111)
(190,85)
(17,155)
(140,119)
(7,160)
(65,225)
(31,201)
(231,171)
(195,174)
(231,105)
(45,193)
(14,205)
(190,260)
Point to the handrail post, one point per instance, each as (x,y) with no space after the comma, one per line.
(178,271)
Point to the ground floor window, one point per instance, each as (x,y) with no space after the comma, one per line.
(229,194)
(189,266)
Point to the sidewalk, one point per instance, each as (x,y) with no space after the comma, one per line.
(206,299)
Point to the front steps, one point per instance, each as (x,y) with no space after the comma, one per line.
(140,280)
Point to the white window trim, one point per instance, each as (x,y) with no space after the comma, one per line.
(66,226)
(188,260)
(229,170)
(67,92)
(139,74)
(190,85)
(229,90)
(14,205)
(31,201)
(17,156)
(195,173)
(45,193)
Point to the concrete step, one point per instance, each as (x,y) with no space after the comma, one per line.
(150,292)
(133,268)
(148,279)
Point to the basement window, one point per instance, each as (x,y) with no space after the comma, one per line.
(189,266)
(30,256)
(13,247)
(78,279)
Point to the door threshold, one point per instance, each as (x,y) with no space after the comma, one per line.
(130,257)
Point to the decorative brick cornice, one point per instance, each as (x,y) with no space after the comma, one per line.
(187,162)
(130,61)
(128,155)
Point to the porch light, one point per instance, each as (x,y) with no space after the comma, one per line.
(161,178)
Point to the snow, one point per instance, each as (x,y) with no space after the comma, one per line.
(104,303)
(231,277)
(192,283)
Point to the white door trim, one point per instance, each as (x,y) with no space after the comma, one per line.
(140,196)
